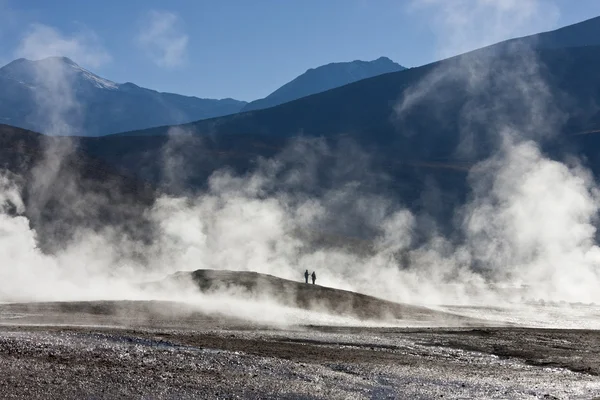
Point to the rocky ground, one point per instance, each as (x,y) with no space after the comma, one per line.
(43,356)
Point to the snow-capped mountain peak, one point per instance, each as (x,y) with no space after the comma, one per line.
(103,106)
(29,73)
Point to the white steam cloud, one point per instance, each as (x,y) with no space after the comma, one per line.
(534,223)
(161,36)
(529,236)
(465,25)
(42,41)
(58,109)
(531,221)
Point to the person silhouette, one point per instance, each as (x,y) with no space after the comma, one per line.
(314,277)
(306,276)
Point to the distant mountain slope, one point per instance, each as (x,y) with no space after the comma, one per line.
(324,78)
(366,109)
(57,96)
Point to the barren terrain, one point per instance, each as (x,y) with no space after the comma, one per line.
(153,350)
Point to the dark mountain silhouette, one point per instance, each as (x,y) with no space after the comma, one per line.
(33,93)
(323,78)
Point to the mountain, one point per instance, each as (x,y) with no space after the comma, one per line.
(323,78)
(420,154)
(58,97)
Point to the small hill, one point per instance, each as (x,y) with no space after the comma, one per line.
(312,297)
(323,78)
(34,94)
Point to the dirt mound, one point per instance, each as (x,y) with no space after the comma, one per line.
(313,297)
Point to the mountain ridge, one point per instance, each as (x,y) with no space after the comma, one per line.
(90,105)
(323,78)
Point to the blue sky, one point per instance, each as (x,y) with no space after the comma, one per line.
(246,49)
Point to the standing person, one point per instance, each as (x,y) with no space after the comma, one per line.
(306,276)
(314,277)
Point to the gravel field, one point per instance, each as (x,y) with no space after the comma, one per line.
(45,355)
